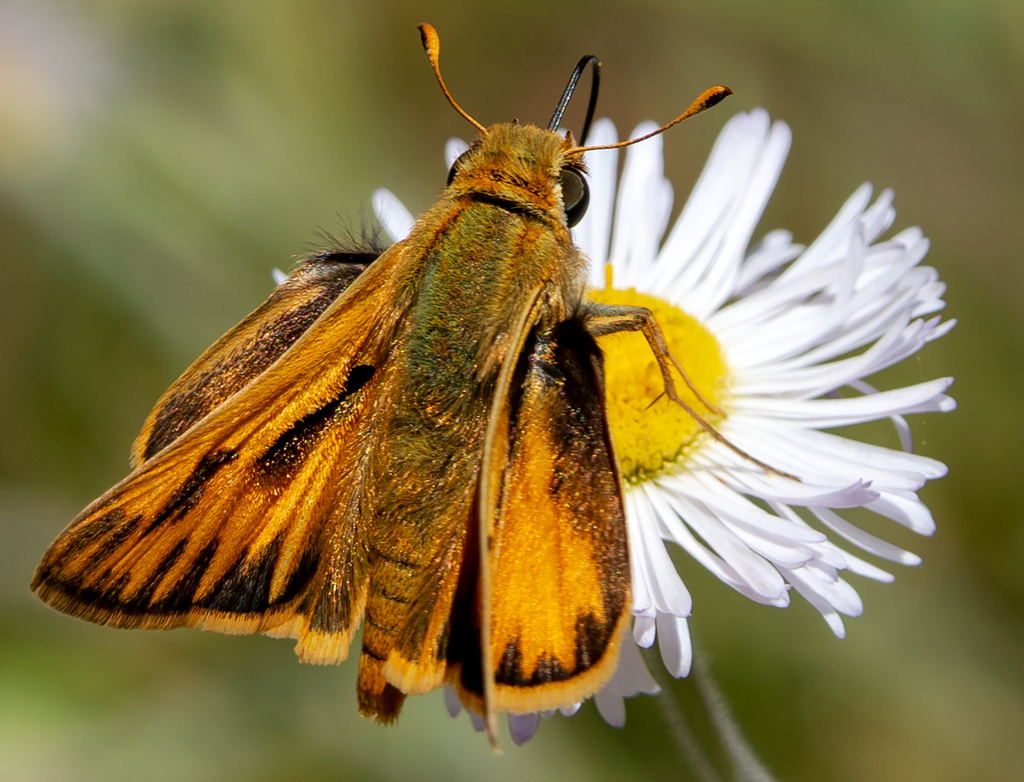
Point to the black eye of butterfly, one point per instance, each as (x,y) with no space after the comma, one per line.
(575,195)
(455,168)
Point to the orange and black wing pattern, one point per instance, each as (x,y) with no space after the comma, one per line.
(246,351)
(555,566)
(248,520)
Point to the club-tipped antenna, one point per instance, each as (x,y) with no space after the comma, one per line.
(707,99)
(595,85)
(432,46)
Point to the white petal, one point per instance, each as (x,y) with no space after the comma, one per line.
(642,209)
(638,515)
(395,218)
(772,252)
(668,592)
(593,233)
(742,511)
(630,678)
(852,457)
(898,421)
(738,473)
(829,413)
(826,595)
(644,631)
(829,613)
(612,708)
(676,531)
(806,377)
(521,727)
(722,276)
(908,511)
(720,185)
(452,149)
(865,540)
(834,240)
(674,644)
(754,571)
(779,444)
(452,702)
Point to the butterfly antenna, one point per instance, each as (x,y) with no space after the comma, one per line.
(432,46)
(595,84)
(707,99)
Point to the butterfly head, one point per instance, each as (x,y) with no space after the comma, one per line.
(524,168)
(532,169)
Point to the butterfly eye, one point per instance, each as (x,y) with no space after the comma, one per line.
(455,168)
(575,195)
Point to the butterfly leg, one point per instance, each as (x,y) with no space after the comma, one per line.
(602,319)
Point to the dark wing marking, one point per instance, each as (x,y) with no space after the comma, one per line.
(253,520)
(249,348)
(558,561)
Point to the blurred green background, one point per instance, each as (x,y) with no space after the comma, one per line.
(158,159)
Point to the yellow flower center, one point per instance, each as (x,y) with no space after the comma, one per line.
(652,437)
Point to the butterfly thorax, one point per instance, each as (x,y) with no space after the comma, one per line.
(498,232)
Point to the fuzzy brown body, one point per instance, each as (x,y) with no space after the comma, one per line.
(418,444)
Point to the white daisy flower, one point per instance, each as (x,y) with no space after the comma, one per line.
(770,335)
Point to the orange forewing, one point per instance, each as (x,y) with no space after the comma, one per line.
(251,347)
(250,522)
